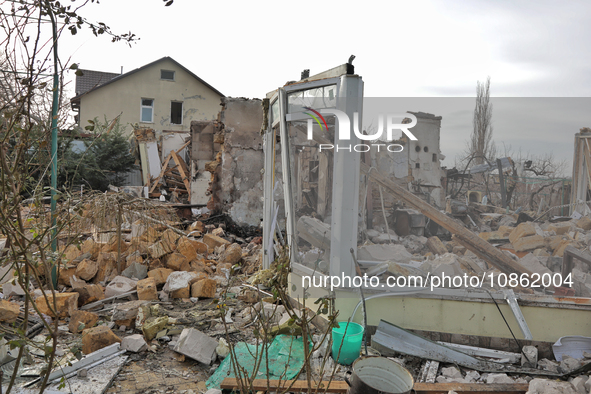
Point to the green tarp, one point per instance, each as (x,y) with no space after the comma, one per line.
(286,358)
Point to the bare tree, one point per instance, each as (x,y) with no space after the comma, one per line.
(481,145)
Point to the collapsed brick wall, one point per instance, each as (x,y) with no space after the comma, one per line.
(230,152)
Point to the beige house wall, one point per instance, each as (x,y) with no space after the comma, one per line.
(124,96)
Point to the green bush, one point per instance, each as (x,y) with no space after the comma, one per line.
(106,159)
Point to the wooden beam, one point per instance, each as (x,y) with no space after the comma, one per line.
(182,167)
(473,242)
(299,386)
(571,252)
(470,388)
(162,172)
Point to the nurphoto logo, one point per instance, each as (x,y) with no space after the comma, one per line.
(393,122)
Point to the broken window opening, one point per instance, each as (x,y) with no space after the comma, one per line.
(176,112)
(417,165)
(147,111)
(167,75)
(434,157)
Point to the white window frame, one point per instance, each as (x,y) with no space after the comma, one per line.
(182,108)
(142,106)
(165,79)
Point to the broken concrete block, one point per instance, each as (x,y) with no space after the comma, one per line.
(528,243)
(197,226)
(170,238)
(134,343)
(152,326)
(451,372)
(66,304)
(222,350)
(12,288)
(184,292)
(97,338)
(146,289)
(548,365)
(231,255)
(541,253)
(397,253)
(584,223)
(472,376)
(588,383)
(553,242)
(81,320)
(120,285)
(199,266)
(522,230)
(160,275)
(107,263)
(64,276)
(89,293)
(204,288)
(9,311)
(383,238)
(213,241)
(559,251)
(150,235)
(569,364)
(186,248)
(77,283)
(529,357)
(72,252)
(436,246)
(546,386)
(158,249)
(177,262)
(91,247)
(579,384)
(197,345)
(134,257)
(446,264)
(498,378)
(6,272)
(179,280)
(560,228)
(532,263)
(87,269)
(127,310)
(136,271)
(200,247)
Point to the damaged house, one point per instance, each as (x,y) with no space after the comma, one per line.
(162,95)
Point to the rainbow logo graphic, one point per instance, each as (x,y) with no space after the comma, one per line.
(316,117)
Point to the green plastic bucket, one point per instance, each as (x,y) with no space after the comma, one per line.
(351,340)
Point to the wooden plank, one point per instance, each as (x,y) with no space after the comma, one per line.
(470,388)
(473,242)
(162,172)
(175,182)
(182,169)
(299,386)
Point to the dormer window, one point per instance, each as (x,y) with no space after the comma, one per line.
(167,75)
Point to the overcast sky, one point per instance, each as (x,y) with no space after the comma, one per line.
(402,49)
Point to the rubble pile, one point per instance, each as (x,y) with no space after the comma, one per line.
(537,247)
(154,290)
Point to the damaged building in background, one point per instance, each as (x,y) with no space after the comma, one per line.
(218,165)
